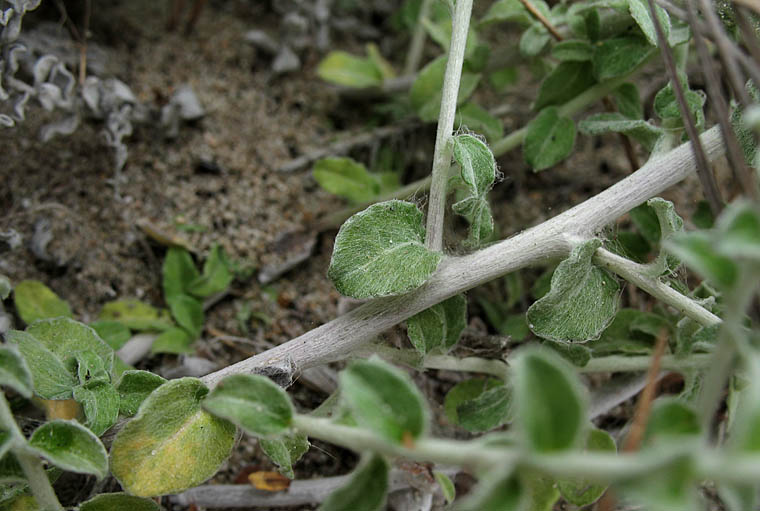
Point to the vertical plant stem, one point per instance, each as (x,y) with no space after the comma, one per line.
(443,149)
(38,481)
(706,177)
(414,56)
(30,463)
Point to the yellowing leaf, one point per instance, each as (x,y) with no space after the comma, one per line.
(269,481)
(171,444)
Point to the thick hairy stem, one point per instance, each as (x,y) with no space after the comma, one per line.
(442,152)
(637,275)
(549,240)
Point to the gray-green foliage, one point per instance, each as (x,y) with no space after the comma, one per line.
(381,252)
(438,328)
(582,301)
(366,490)
(550,139)
(478,173)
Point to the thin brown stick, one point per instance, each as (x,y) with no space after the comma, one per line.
(641,415)
(644,404)
(734,152)
(83,42)
(540,17)
(706,177)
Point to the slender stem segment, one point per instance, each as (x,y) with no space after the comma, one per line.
(442,153)
(638,275)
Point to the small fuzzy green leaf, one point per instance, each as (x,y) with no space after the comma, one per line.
(381,63)
(475,118)
(497,492)
(253,402)
(285,451)
(14,371)
(534,40)
(619,56)
(582,301)
(118,502)
(188,313)
(66,338)
(346,178)
(465,391)
(114,334)
(477,211)
(366,490)
(697,250)
(34,300)
(171,444)
(549,139)
(178,272)
(342,68)
(573,50)
(216,276)
(70,446)
(136,315)
(487,411)
(478,166)
(639,10)
(174,340)
(542,491)
(100,402)
(381,252)
(439,327)
(666,104)
(134,387)
(425,93)
(551,405)
(52,379)
(628,101)
(447,486)
(581,492)
(90,367)
(5,287)
(509,11)
(566,81)
(612,122)
(384,399)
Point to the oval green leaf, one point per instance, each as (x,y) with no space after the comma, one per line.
(619,56)
(100,402)
(285,451)
(366,490)
(342,68)
(216,276)
(52,379)
(66,338)
(172,443)
(581,303)
(136,315)
(551,405)
(566,81)
(34,301)
(14,372)
(253,402)
(70,446)
(134,387)
(380,252)
(439,327)
(346,178)
(549,139)
(384,399)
